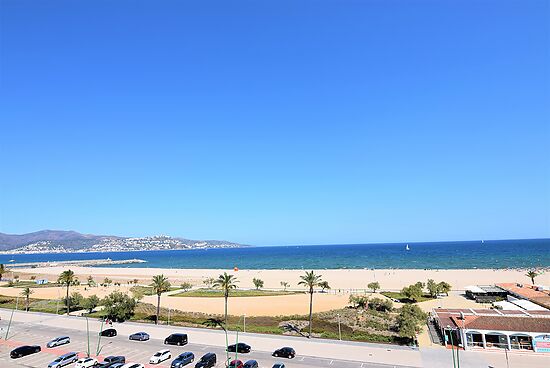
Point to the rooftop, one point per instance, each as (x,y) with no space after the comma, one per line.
(529,292)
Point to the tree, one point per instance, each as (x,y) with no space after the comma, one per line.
(413,292)
(186,286)
(16,278)
(136,281)
(310,280)
(27,294)
(324,285)
(216,322)
(532,274)
(91,281)
(381,305)
(119,307)
(444,287)
(258,283)
(409,320)
(433,288)
(67,279)
(2,270)
(160,285)
(358,301)
(209,282)
(284,284)
(76,299)
(374,286)
(91,303)
(107,281)
(226,283)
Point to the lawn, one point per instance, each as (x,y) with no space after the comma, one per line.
(31,284)
(148,290)
(403,299)
(214,293)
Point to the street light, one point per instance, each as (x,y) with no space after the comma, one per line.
(339,327)
(452,343)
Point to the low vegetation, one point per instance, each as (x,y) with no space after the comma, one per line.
(216,293)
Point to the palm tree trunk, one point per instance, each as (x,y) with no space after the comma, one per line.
(27,304)
(67,300)
(226,338)
(310,311)
(158,309)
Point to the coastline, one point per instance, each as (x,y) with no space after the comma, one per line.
(345,279)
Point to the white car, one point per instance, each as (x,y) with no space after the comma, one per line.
(160,356)
(86,363)
(132,365)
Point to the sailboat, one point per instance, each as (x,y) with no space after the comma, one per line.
(407,247)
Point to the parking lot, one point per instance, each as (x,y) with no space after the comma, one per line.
(137,351)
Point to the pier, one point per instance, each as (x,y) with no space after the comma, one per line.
(80,263)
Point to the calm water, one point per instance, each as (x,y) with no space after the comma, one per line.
(446,255)
(474,254)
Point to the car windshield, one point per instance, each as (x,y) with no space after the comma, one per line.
(158,354)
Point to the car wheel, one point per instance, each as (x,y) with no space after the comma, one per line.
(179,343)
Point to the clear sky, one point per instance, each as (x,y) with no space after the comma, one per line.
(276,122)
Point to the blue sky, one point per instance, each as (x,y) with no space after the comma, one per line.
(276,122)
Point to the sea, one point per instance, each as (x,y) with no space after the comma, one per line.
(487,254)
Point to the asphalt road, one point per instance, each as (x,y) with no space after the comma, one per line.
(139,352)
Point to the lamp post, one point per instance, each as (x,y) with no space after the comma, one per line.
(339,327)
(452,343)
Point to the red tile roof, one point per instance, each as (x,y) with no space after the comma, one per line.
(541,298)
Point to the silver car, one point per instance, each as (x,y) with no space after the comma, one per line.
(61,340)
(64,360)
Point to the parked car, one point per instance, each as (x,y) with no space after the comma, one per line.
(24,350)
(61,340)
(111,361)
(235,364)
(86,363)
(183,359)
(160,356)
(64,360)
(285,352)
(239,348)
(110,332)
(278,365)
(116,365)
(139,336)
(250,364)
(208,360)
(132,365)
(176,339)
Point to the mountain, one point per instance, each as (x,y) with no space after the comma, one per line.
(57,241)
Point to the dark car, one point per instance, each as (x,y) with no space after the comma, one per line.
(285,352)
(139,336)
(235,364)
(111,360)
(24,350)
(176,339)
(208,360)
(251,364)
(183,359)
(239,348)
(278,365)
(110,332)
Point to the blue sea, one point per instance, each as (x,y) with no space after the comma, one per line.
(435,255)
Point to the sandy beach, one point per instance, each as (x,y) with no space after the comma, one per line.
(342,283)
(344,279)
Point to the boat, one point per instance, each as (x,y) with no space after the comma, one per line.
(407,247)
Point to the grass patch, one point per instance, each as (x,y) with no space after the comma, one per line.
(148,290)
(214,293)
(30,284)
(403,299)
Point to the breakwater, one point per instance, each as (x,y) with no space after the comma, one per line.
(81,263)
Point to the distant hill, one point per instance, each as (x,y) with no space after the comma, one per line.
(57,241)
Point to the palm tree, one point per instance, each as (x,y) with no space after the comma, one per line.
(2,270)
(216,322)
(284,284)
(310,280)
(160,285)
(27,293)
(532,274)
(226,283)
(67,279)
